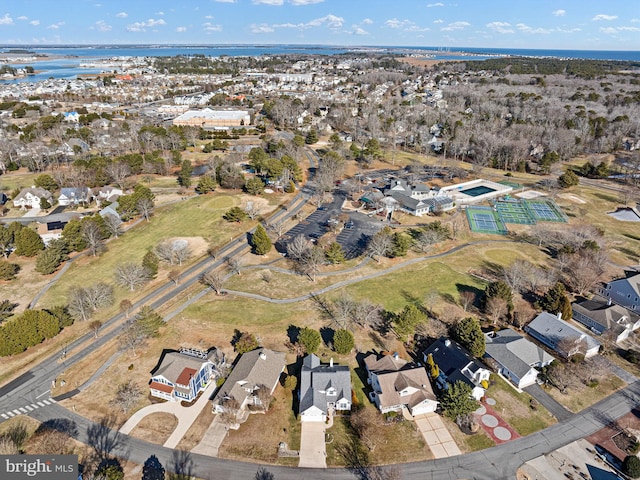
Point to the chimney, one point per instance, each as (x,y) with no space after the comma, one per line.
(559,315)
(609,301)
(263,356)
(331,362)
(447,343)
(395,355)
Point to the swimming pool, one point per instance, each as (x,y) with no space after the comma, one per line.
(477,191)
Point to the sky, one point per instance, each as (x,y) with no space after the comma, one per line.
(541,24)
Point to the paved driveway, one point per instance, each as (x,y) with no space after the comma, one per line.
(436,435)
(313,450)
(212,439)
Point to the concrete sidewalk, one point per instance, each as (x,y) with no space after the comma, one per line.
(436,435)
(185,415)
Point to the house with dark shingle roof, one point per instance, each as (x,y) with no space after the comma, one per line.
(456,364)
(254,369)
(323,388)
(517,357)
(601,315)
(182,375)
(397,384)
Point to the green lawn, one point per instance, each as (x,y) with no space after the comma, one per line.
(197,217)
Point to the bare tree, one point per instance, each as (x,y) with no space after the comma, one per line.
(118,171)
(95,327)
(93,237)
(7,447)
(311,262)
(430,299)
(230,410)
(78,305)
(164,251)
(298,247)
(131,336)
(496,308)
(131,275)
(174,275)
(251,209)
(262,393)
(145,208)
(366,421)
(113,225)
(125,307)
(127,395)
(234,264)
(467,299)
(181,251)
(215,280)
(379,245)
(367,315)
(83,301)
(278,228)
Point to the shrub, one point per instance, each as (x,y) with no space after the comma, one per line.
(343,341)
(631,466)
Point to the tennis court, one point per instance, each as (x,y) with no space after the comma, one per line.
(515,212)
(485,220)
(546,211)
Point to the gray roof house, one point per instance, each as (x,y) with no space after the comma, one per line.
(30,197)
(74,195)
(257,367)
(456,364)
(624,291)
(516,356)
(182,375)
(397,384)
(600,315)
(323,387)
(561,336)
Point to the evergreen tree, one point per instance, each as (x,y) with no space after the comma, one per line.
(48,261)
(405,322)
(312,137)
(260,242)
(153,469)
(151,262)
(334,253)
(206,184)
(44,204)
(235,214)
(149,321)
(244,342)
(72,234)
(557,301)
(184,177)
(456,401)
(631,466)
(401,244)
(28,243)
(568,179)
(310,339)
(254,186)
(498,289)
(8,270)
(290,187)
(343,341)
(47,182)
(468,332)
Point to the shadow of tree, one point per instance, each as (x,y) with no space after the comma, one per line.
(181,466)
(62,425)
(293,332)
(327,334)
(103,438)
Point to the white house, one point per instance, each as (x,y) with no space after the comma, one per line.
(601,316)
(561,336)
(74,196)
(323,388)
(30,197)
(397,384)
(515,356)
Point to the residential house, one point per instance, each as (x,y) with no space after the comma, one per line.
(624,291)
(51,230)
(74,196)
(107,193)
(418,199)
(456,364)
(600,315)
(323,388)
(397,383)
(182,375)
(111,209)
(516,357)
(30,197)
(561,336)
(253,369)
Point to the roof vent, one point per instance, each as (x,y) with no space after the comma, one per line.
(447,343)
(396,356)
(263,355)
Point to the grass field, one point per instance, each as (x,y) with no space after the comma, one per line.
(577,400)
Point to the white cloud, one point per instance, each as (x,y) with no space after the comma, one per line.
(160,14)
(367,21)
(304,2)
(263,28)
(395,23)
(225,1)
(527,29)
(438,21)
(142,26)
(559,13)
(500,27)
(357,30)
(431,5)
(209,17)
(608,30)
(331,21)
(614,30)
(405,25)
(101,26)
(602,16)
(55,26)
(268,2)
(455,26)
(35,23)
(6,20)
(568,30)
(629,29)
(635,20)
(181,29)
(122,15)
(22,18)
(210,27)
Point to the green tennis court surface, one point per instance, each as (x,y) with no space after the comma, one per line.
(546,211)
(515,211)
(485,220)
